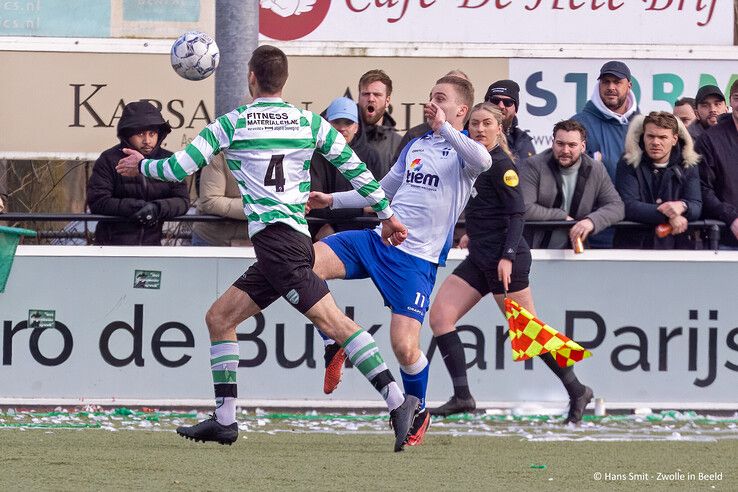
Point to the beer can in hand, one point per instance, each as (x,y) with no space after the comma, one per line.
(578,245)
(663,230)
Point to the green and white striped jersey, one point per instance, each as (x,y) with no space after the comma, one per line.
(268,145)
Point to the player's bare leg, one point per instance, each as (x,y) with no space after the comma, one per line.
(454,299)
(362,350)
(328,266)
(226,313)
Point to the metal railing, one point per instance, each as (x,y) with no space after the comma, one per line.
(711,229)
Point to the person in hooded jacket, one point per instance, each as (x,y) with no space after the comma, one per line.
(608,113)
(147,202)
(606,117)
(659,182)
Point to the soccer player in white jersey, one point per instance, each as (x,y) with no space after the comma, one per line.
(429,186)
(267,146)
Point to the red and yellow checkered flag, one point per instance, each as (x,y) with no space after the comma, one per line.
(530,336)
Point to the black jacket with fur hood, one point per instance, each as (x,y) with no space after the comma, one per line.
(643,187)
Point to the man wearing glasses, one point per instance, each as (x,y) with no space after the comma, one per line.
(505,94)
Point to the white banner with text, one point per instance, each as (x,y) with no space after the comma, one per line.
(701,22)
(128,323)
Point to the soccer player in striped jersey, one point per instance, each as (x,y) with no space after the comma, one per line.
(429,186)
(267,146)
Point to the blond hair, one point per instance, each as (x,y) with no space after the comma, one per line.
(495,111)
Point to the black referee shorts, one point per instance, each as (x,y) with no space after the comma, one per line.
(283,268)
(484,278)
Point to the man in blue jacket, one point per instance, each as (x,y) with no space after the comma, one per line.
(607,114)
(606,117)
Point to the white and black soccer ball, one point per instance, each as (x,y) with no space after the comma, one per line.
(195,55)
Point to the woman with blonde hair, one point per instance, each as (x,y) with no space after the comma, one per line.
(499,263)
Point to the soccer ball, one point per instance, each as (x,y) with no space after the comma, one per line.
(195,55)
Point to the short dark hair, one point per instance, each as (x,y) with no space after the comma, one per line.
(662,119)
(733,88)
(376,75)
(463,87)
(570,126)
(685,101)
(269,65)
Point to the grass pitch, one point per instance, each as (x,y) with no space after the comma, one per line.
(327,453)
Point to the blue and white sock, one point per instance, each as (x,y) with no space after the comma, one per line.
(415,378)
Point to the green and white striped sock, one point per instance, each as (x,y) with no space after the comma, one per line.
(363,353)
(224,364)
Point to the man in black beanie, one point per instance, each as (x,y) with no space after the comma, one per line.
(505,94)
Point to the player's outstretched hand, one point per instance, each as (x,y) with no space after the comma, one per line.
(128,166)
(317,200)
(394,232)
(435,115)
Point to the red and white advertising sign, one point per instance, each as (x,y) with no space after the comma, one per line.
(697,22)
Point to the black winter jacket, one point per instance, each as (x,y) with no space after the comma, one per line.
(109,193)
(719,174)
(519,141)
(642,191)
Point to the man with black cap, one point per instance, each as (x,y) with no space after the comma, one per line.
(147,202)
(719,171)
(607,114)
(606,117)
(505,94)
(710,105)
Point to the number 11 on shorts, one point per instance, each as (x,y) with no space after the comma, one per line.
(419,299)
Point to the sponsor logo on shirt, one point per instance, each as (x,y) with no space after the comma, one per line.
(415,177)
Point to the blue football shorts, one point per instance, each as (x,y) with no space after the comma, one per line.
(405,281)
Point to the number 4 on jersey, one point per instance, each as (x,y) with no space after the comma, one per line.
(275,173)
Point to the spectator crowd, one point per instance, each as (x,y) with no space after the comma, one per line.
(610,162)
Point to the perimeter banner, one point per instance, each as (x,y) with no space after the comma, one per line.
(79,322)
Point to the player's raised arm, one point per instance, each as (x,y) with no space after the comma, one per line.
(473,154)
(211,140)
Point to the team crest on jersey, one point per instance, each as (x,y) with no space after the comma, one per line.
(292,296)
(445,151)
(511,178)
